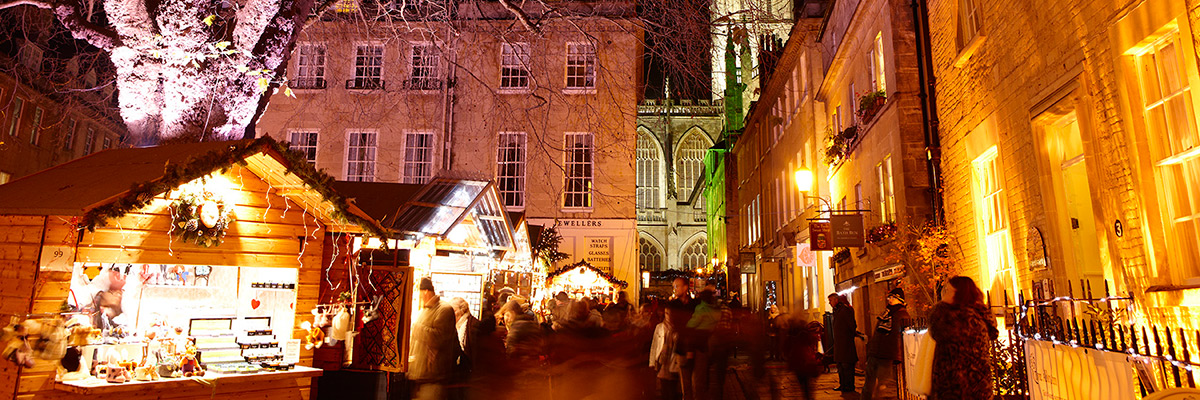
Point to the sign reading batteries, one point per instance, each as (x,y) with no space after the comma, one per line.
(847,230)
(599,253)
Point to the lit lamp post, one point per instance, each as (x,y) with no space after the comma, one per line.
(804,183)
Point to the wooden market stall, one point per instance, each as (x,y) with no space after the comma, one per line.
(581,279)
(197,243)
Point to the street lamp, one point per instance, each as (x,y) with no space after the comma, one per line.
(804,183)
(804,180)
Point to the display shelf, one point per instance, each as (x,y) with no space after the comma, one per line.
(95,386)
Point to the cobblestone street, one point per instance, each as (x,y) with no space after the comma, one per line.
(783,386)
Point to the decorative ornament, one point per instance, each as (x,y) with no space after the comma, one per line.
(254,303)
(200,216)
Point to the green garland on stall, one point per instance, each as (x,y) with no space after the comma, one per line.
(176,174)
(607,276)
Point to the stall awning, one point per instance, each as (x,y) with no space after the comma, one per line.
(445,203)
(583,274)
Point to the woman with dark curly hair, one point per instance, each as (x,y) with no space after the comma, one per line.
(964,329)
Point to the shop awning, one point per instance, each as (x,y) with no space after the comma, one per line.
(444,203)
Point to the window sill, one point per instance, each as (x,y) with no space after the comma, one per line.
(514,91)
(365,91)
(578,91)
(969,50)
(581,210)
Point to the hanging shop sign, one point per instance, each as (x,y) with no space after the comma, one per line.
(847,230)
(820,232)
(747,263)
(599,252)
(805,256)
(888,273)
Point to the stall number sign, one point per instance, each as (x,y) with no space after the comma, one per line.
(599,253)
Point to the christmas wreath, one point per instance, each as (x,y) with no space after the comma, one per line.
(200,217)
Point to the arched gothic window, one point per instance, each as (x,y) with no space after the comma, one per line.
(695,255)
(689,163)
(649,256)
(649,168)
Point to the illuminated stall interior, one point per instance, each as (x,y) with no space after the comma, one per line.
(583,280)
(153,256)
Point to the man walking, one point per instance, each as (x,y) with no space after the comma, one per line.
(845,330)
(435,345)
(883,350)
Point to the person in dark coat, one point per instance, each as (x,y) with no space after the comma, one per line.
(467,326)
(845,330)
(963,327)
(434,345)
(884,350)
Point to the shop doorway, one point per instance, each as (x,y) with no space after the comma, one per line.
(1083,247)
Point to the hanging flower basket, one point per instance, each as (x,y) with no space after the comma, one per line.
(870,104)
(882,232)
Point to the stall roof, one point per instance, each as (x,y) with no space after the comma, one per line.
(444,203)
(113,182)
(74,187)
(379,200)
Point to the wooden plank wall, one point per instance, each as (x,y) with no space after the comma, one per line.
(20,243)
(269,231)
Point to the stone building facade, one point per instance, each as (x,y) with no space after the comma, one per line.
(1070,148)
(875,151)
(783,134)
(673,136)
(54,104)
(549,117)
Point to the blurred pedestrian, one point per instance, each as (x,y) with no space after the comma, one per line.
(800,352)
(699,330)
(845,330)
(963,327)
(616,314)
(524,342)
(434,345)
(665,357)
(467,326)
(884,350)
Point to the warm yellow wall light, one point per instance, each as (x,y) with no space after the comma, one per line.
(804,180)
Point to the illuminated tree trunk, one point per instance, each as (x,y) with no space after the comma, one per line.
(191,70)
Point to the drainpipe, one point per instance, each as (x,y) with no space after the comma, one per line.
(448,105)
(928,98)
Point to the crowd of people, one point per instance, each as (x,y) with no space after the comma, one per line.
(679,347)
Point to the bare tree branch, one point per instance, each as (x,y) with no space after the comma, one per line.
(318,11)
(521,16)
(69,15)
(39,4)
